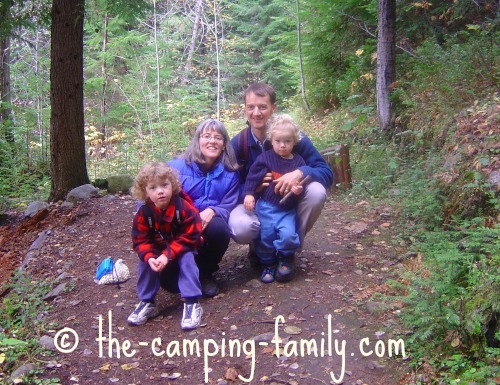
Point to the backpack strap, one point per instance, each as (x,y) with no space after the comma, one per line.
(174,227)
(242,150)
(149,214)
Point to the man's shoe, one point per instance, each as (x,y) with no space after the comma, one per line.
(286,268)
(209,286)
(191,316)
(143,312)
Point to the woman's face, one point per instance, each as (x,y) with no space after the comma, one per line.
(211,145)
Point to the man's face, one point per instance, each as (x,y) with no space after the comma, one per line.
(258,110)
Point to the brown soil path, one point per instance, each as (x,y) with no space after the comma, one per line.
(348,256)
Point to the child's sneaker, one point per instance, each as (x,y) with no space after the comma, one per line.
(191,316)
(267,275)
(286,268)
(143,312)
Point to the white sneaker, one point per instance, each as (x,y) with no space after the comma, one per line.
(143,312)
(191,316)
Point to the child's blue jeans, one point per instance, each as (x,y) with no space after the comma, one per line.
(277,232)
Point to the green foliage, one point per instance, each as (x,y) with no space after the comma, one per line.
(451,297)
(444,78)
(335,34)
(21,320)
(261,42)
(18,179)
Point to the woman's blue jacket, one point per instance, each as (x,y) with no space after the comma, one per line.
(217,189)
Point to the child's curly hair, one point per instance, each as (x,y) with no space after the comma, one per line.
(154,171)
(283,121)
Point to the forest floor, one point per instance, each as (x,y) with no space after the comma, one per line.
(349,255)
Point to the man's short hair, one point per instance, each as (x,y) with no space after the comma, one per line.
(262,90)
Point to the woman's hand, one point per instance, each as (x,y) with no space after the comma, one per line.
(158,264)
(206,216)
(249,202)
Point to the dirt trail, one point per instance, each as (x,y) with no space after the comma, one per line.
(348,256)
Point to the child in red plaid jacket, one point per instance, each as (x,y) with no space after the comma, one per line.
(166,233)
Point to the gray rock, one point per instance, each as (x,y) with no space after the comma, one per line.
(264,337)
(494,180)
(22,371)
(253,283)
(82,193)
(67,205)
(376,307)
(373,365)
(120,183)
(56,291)
(34,208)
(34,249)
(47,342)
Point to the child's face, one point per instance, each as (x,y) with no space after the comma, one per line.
(160,192)
(283,142)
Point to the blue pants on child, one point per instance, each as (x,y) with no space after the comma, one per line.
(277,232)
(180,275)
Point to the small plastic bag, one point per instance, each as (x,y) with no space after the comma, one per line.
(120,273)
(105,267)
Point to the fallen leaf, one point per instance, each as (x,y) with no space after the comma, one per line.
(131,366)
(105,367)
(280,351)
(328,272)
(231,374)
(292,330)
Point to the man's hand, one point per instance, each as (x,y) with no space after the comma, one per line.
(266,181)
(206,216)
(285,182)
(158,264)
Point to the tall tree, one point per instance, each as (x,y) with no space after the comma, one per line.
(299,53)
(386,60)
(5,95)
(67,147)
(194,35)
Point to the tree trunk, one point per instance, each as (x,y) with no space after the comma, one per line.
(386,61)
(67,141)
(299,51)
(104,72)
(217,54)
(5,96)
(197,17)
(157,56)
